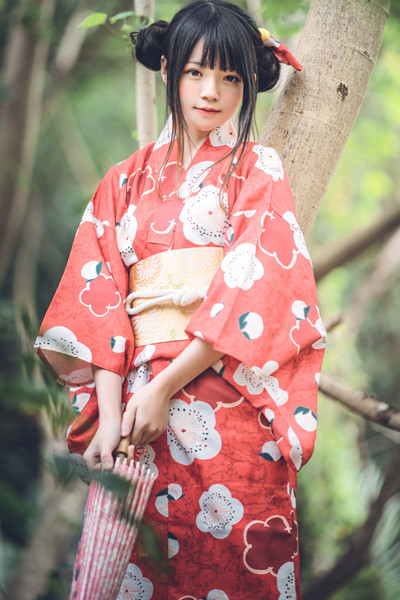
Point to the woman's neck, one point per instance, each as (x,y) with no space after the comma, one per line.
(191,146)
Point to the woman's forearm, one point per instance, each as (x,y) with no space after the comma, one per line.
(147,412)
(198,356)
(109,391)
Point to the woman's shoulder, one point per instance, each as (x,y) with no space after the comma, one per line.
(139,158)
(262,158)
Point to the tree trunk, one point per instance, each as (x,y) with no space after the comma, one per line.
(316,110)
(25,70)
(146,113)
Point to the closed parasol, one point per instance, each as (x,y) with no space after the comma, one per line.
(113,514)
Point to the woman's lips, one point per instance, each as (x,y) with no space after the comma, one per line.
(209,111)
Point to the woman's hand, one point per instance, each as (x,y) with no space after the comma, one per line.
(146,415)
(100,450)
(147,412)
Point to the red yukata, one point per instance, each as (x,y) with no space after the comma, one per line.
(224,498)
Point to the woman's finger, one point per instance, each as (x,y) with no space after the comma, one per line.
(128,418)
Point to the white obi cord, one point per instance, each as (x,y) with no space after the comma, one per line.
(183,296)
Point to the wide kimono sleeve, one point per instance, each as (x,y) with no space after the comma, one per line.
(86,323)
(261,309)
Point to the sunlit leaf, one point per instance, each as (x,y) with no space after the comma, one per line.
(93,20)
(121,15)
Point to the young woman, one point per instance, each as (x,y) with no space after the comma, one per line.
(215,373)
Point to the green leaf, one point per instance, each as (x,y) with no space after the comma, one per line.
(121,15)
(93,20)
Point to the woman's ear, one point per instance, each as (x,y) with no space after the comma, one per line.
(164,69)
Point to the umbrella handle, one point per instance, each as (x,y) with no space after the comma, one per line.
(121,450)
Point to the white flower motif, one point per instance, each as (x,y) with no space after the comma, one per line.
(269,415)
(204,220)
(298,237)
(79,402)
(78,377)
(173,545)
(223,135)
(296,452)
(194,177)
(241,267)
(137,378)
(300,309)
(217,595)
(91,270)
(271,451)
(269,162)
(145,455)
(292,494)
(165,135)
(88,217)
(286,582)
(256,380)
(126,232)
(118,343)
(145,355)
(171,493)
(305,418)
(134,585)
(320,327)
(123,179)
(270,383)
(61,339)
(219,511)
(251,325)
(216,309)
(191,432)
(245,377)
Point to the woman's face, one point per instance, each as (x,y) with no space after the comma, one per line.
(208,97)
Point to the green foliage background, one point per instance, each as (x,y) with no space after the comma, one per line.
(94,117)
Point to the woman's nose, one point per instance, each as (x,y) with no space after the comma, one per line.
(210,88)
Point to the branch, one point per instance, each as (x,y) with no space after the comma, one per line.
(360,403)
(353,245)
(375,284)
(359,552)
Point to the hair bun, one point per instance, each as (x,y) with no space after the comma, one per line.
(268,68)
(149,43)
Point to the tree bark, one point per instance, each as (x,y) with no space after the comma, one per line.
(316,110)
(25,69)
(146,113)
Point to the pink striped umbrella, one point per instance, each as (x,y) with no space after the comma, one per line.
(109,531)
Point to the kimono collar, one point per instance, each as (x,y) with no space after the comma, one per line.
(223,136)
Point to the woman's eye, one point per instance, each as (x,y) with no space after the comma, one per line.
(193,72)
(233,78)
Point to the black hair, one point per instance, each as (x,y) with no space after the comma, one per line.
(231,38)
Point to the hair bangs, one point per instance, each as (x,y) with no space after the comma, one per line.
(223,46)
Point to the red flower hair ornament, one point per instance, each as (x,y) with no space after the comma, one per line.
(280,50)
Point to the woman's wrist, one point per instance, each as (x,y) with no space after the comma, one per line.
(198,356)
(109,394)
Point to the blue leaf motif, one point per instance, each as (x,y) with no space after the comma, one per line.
(98,267)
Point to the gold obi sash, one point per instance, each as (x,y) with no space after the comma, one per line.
(167,289)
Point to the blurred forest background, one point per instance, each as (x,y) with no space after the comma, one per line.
(84,122)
